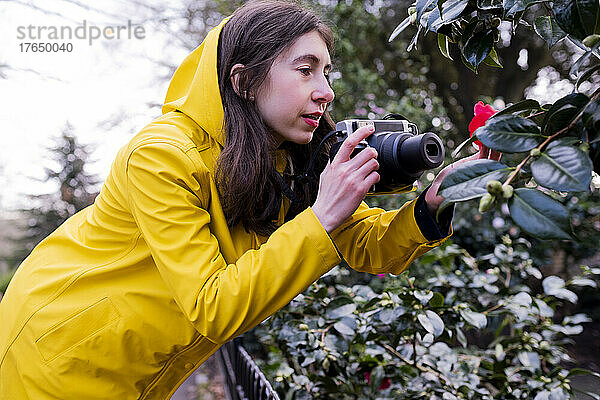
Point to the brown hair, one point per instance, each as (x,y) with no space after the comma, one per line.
(249,190)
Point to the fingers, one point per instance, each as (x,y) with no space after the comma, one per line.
(351,141)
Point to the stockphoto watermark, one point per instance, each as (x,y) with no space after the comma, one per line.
(52,36)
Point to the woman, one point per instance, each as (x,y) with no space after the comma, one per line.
(190,242)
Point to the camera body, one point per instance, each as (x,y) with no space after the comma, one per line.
(403,154)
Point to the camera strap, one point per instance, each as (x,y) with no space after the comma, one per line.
(307,175)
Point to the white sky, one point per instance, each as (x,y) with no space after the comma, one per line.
(85,87)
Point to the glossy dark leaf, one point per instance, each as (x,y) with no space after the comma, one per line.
(492,59)
(563,168)
(563,111)
(587,74)
(591,120)
(437,300)
(579,18)
(539,214)
(424,5)
(512,7)
(510,134)
(452,9)
(443,46)
(548,29)
(467,181)
(401,27)
(523,105)
(476,319)
(489,4)
(477,48)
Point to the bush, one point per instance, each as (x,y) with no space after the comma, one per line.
(457,327)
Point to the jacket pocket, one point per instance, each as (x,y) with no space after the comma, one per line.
(76,329)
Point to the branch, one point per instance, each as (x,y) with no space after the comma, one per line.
(550,138)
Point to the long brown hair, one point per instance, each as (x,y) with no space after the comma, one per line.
(249,189)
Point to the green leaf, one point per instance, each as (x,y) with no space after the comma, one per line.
(523,105)
(512,7)
(489,4)
(587,74)
(467,63)
(555,286)
(563,168)
(436,321)
(431,322)
(467,181)
(591,119)
(443,46)
(548,29)
(424,5)
(563,111)
(452,9)
(478,47)
(509,134)
(401,27)
(344,329)
(341,311)
(578,18)
(461,146)
(539,215)
(476,319)
(492,59)
(581,371)
(437,300)
(583,282)
(460,336)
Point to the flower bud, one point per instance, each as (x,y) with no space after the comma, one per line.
(535,152)
(591,40)
(494,187)
(412,10)
(585,146)
(486,203)
(495,22)
(507,191)
(303,327)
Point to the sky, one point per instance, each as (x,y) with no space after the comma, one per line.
(91,86)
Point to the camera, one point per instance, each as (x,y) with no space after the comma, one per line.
(403,154)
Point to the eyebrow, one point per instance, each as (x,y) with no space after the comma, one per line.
(310,58)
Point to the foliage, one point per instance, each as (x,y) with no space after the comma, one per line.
(456,328)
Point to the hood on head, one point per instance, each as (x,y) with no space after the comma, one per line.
(194,88)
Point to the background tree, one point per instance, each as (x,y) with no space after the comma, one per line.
(75,190)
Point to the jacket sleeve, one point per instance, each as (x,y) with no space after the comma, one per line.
(376,241)
(221,300)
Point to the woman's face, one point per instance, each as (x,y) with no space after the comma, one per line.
(296,91)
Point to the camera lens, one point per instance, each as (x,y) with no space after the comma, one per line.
(421,152)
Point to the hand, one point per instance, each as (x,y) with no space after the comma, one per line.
(432,198)
(345,181)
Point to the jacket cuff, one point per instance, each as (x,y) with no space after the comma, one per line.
(429,227)
(323,243)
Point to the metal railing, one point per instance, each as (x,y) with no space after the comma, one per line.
(243,378)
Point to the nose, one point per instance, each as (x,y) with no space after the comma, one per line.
(323,92)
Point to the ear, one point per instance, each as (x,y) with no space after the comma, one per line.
(235,77)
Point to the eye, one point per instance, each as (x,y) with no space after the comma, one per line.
(306,71)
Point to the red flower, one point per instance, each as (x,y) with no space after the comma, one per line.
(385,383)
(482,114)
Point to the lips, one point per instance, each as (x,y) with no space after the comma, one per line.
(312,119)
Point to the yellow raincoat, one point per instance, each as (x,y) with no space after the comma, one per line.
(130,295)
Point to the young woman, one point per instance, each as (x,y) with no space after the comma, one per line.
(191,242)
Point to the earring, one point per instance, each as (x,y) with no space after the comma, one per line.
(246,97)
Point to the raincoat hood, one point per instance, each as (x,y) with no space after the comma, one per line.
(194,89)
